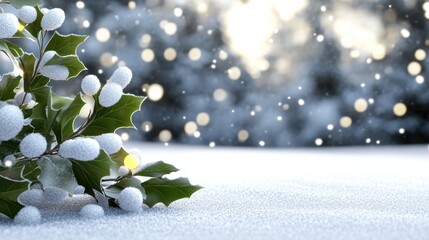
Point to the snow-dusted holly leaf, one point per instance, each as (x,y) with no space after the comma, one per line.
(27,63)
(43,116)
(71,62)
(157,169)
(65,44)
(65,119)
(7,85)
(162,190)
(114,190)
(90,173)
(20,171)
(57,172)
(39,81)
(107,120)
(8,47)
(9,192)
(19,3)
(35,27)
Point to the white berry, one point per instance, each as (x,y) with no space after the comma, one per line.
(130,199)
(8,25)
(33,145)
(28,14)
(55,72)
(83,149)
(110,94)
(32,197)
(28,215)
(53,19)
(11,121)
(122,76)
(92,211)
(110,142)
(90,85)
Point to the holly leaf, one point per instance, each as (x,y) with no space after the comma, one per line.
(19,3)
(157,169)
(27,62)
(9,192)
(39,81)
(10,48)
(20,171)
(7,86)
(35,27)
(107,120)
(114,190)
(166,191)
(67,116)
(71,62)
(65,44)
(90,173)
(57,172)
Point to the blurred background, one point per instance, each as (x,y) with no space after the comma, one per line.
(265,73)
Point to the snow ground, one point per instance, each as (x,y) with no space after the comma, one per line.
(330,193)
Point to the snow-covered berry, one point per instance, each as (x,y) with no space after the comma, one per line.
(19,98)
(79,190)
(55,72)
(48,55)
(90,85)
(122,76)
(28,215)
(83,149)
(11,121)
(44,10)
(8,25)
(33,145)
(110,94)
(28,14)
(54,195)
(110,142)
(53,19)
(122,171)
(31,197)
(92,211)
(130,199)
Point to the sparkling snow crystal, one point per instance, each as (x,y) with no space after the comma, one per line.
(121,76)
(55,72)
(110,94)
(32,197)
(53,19)
(83,149)
(28,14)
(28,215)
(92,211)
(11,121)
(8,25)
(33,145)
(110,142)
(130,199)
(90,85)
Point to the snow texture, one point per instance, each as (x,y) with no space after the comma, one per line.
(110,94)
(332,193)
(33,145)
(46,57)
(31,197)
(8,25)
(90,85)
(83,149)
(79,190)
(28,14)
(53,19)
(110,142)
(54,195)
(130,199)
(121,76)
(44,10)
(122,171)
(92,211)
(28,215)
(55,72)
(11,121)
(19,98)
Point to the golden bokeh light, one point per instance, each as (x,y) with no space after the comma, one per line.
(399,109)
(131,162)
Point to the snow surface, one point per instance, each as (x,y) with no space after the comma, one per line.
(330,193)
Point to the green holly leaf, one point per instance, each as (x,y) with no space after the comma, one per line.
(65,44)
(157,169)
(9,192)
(19,3)
(114,190)
(90,173)
(71,62)
(27,63)
(39,81)
(35,27)
(107,120)
(20,171)
(7,86)
(162,190)
(57,172)
(10,49)
(65,119)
